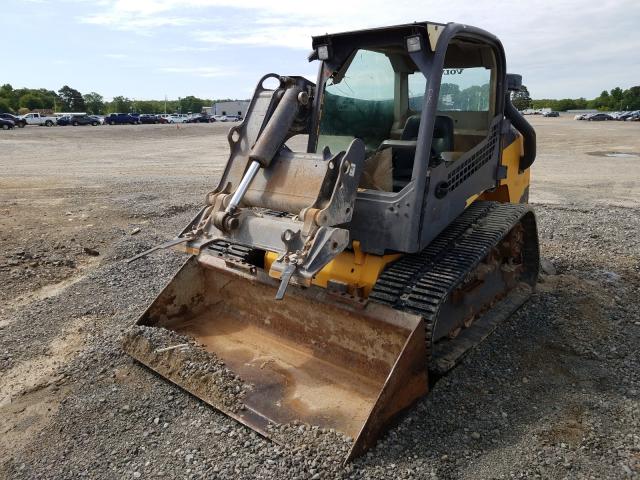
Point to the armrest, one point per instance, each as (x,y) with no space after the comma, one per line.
(451,156)
(402,144)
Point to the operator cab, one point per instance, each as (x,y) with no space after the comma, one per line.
(377,94)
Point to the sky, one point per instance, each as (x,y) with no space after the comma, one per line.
(146,49)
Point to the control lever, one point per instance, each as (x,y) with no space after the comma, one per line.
(162,246)
(285,278)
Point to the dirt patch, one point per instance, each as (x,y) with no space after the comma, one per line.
(570,429)
(588,312)
(22,420)
(47,291)
(39,371)
(30,392)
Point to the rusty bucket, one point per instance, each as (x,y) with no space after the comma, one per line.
(308,358)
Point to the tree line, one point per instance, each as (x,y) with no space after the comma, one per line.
(471,99)
(615,100)
(67,99)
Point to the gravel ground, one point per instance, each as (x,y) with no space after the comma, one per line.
(553,393)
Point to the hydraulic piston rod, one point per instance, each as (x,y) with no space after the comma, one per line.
(242,187)
(265,149)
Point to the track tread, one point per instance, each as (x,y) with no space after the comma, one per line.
(421,283)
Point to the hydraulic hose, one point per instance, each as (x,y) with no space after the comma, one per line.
(528,134)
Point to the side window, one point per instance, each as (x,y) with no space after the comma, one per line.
(358,103)
(417,83)
(461,90)
(465,90)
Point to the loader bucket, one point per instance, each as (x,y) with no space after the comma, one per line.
(308,359)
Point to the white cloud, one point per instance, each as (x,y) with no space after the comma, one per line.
(141,24)
(562,48)
(192,48)
(207,72)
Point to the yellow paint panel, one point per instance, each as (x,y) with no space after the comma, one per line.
(513,188)
(358,270)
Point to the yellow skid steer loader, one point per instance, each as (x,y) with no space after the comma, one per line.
(324,286)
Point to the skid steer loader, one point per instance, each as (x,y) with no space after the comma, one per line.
(324,286)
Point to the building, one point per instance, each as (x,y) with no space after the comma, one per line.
(234,107)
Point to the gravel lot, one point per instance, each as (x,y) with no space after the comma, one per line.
(554,393)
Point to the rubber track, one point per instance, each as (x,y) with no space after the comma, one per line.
(421,283)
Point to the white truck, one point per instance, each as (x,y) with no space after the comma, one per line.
(178,118)
(38,119)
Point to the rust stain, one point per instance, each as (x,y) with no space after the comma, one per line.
(307,358)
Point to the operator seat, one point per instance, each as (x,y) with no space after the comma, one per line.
(403,158)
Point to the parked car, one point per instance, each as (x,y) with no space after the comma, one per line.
(64,120)
(6,124)
(178,118)
(634,117)
(38,119)
(551,114)
(200,118)
(76,120)
(148,118)
(163,118)
(120,119)
(18,122)
(220,118)
(599,117)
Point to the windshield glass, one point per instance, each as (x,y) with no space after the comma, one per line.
(358,102)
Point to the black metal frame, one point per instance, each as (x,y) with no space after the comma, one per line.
(407,221)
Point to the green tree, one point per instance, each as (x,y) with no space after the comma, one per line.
(146,106)
(120,104)
(191,104)
(473,99)
(566,104)
(9,94)
(31,101)
(94,103)
(543,103)
(449,96)
(5,106)
(71,99)
(49,98)
(603,101)
(521,99)
(6,90)
(631,99)
(581,103)
(616,99)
